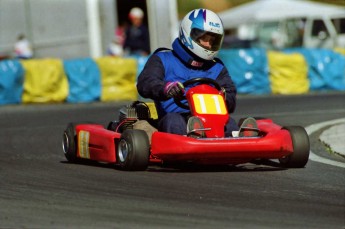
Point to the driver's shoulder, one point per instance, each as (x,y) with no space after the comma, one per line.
(159,56)
(163,53)
(162,49)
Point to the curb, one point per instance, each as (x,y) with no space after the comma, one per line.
(334,137)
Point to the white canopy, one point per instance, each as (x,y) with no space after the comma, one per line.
(274,10)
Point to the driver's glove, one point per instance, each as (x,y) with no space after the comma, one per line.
(174,89)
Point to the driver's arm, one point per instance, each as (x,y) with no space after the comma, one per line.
(225,81)
(151,80)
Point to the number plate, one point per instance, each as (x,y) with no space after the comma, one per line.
(209,104)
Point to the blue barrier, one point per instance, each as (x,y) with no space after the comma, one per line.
(248,69)
(326,68)
(84,80)
(11,81)
(141,61)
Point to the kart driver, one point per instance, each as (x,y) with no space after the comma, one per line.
(192,56)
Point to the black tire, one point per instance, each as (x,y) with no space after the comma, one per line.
(69,143)
(301,148)
(133,150)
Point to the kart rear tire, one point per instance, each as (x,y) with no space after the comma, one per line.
(69,140)
(301,148)
(133,150)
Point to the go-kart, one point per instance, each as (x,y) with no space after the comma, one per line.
(131,149)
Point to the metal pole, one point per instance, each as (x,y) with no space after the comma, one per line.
(94,28)
(163,22)
(28,20)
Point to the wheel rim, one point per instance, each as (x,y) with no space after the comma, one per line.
(65,143)
(123,150)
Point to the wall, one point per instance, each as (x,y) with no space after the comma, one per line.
(56,28)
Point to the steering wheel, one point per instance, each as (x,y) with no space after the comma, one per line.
(208,81)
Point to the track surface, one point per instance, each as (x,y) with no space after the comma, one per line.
(39,189)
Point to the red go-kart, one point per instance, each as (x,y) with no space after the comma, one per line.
(131,148)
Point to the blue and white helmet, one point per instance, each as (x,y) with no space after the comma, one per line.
(196,24)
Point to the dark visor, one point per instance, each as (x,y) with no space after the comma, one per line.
(214,39)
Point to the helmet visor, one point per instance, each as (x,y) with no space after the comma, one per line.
(208,40)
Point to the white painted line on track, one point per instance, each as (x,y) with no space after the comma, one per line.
(315,127)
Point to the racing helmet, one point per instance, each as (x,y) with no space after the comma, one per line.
(200,26)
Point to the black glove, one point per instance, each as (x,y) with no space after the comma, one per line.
(174,89)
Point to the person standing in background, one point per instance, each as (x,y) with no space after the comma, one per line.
(22,48)
(120,32)
(137,40)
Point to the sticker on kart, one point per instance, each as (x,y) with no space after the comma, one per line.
(209,104)
(83,144)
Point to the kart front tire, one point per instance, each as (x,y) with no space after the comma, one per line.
(301,148)
(69,140)
(133,150)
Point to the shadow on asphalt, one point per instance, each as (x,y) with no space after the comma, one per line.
(254,166)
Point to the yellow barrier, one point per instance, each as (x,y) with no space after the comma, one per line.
(340,50)
(288,73)
(118,78)
(44,81)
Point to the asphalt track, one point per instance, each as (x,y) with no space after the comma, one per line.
(39,189)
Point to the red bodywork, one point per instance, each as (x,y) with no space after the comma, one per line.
(99,144)
(275,144)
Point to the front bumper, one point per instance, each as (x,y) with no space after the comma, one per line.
(172,147)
